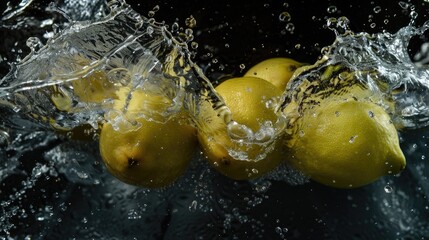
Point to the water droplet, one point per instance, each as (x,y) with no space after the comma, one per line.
(155,8)
(403,5)
(332,9)
(285,17)
(353,139)
(242,66)
(119,75)
(377,9)
(175,27)
(193,206)
(82,175)
(189,34)
(372,25)
(84,220)
(133,215)
(290,27)
(194,45)
(4,138)
(190,22)
(371,114)
(149,30)
(34,43)
(388,189)
(413,15)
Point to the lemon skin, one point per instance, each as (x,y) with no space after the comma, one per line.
(346,144)
(144,152)
(277,71)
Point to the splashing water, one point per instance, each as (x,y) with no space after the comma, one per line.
(133,51)
(376,62)
(139,53)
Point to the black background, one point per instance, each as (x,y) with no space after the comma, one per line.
(253,31)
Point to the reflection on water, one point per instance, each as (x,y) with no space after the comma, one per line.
(50,180)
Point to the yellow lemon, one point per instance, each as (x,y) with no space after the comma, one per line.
(94,88)
(277,71)
(142,151)
(346,144)
(247,99)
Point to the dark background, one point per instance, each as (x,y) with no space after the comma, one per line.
(234,33)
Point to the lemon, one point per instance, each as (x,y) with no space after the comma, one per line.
(346,144)
(142,151)
(277,71)
(94,88)
(247,98)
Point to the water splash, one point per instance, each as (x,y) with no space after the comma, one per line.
(122,41)
(377,62)
(135,52)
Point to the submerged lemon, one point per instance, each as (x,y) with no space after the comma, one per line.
(247,99)
(145,152)
(94,88)
(346,144)
(277,71)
